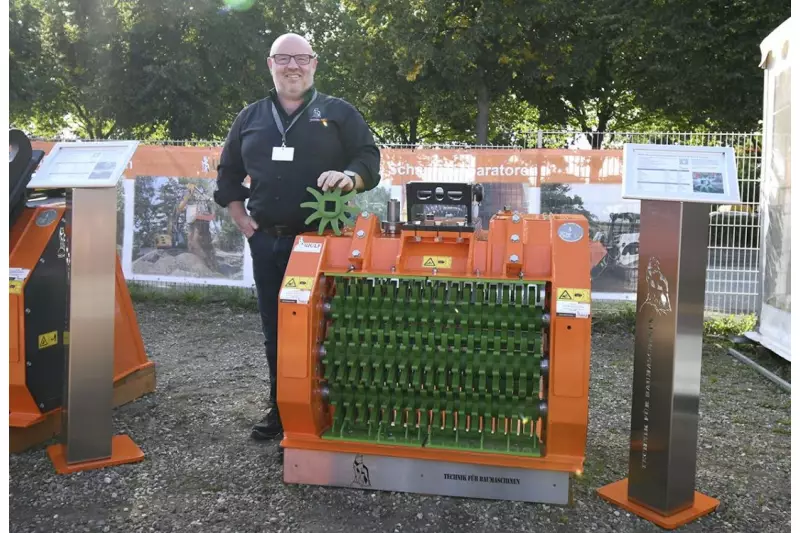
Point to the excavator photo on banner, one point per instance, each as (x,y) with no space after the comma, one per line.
(189,227)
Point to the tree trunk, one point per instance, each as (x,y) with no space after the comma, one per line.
(603,118)
(482,125)
(412,134)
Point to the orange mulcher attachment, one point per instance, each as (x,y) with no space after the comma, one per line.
(433,357)
(38,301)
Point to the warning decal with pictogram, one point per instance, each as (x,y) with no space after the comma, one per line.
(47,340)
(575,303)
(296,282)
(575,295)
(437,261)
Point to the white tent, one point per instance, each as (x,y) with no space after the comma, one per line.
(774,323)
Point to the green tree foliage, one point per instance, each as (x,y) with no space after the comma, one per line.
(464,54)
(696,63)
(431,71)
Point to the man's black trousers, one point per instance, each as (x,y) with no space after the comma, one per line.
(270,256)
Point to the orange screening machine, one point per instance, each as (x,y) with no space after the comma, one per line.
(38,309)
(435,357)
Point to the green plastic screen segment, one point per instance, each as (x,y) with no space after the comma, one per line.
(331,208)
(410,360)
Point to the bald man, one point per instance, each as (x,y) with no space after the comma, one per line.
(296,137)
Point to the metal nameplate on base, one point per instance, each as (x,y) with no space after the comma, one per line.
(375,472)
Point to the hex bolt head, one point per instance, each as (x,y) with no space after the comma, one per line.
(515,238)
(514,258)
(365,214)
(516,218)
(360,234)
(543,408)
(356,253)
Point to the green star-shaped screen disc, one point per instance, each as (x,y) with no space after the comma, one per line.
(331,208)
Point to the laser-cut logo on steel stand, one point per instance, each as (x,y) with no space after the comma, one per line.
(360,472)
(657,288)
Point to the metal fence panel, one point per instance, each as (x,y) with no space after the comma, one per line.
(732,285)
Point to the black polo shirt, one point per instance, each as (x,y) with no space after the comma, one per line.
(330,134)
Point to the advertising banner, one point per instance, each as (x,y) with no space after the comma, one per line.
(170,230)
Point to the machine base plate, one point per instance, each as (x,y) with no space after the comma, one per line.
(123,451)
(617,493)
(376,472)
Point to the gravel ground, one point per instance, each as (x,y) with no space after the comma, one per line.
(203,473)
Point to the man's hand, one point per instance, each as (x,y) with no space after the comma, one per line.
(243,221)
(246,225)
(332,179)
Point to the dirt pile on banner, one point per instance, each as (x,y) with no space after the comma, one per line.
(166,263)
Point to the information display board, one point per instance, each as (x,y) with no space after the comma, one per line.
(84,164)
(89,173)
(698,174)
(676,185)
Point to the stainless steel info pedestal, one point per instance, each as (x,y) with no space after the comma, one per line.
(676,186)
(89,172)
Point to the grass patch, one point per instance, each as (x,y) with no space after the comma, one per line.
(611,316)
(233,297)
(727,325)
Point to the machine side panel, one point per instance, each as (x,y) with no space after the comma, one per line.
(45,297)
(536,257)
(18,232)
(570,348)
(129,351)
(300,320)
(28,238)
(23,411)
(16,329)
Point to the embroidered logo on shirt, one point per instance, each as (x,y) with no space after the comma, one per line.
(316,116)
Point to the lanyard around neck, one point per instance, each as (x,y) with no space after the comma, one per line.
(279,122)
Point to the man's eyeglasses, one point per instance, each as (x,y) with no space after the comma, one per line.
(300,59)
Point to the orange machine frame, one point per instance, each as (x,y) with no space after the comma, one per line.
(27,242)
(541,255)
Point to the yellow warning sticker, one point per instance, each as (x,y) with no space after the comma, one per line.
(15,287)
(47,340)
(437,261)
(574,295)
(296,282)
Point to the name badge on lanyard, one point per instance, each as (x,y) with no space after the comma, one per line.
(283,152)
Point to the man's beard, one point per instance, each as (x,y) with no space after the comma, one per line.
(298,88)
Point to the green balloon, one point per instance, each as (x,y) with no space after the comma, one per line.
(239,5)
